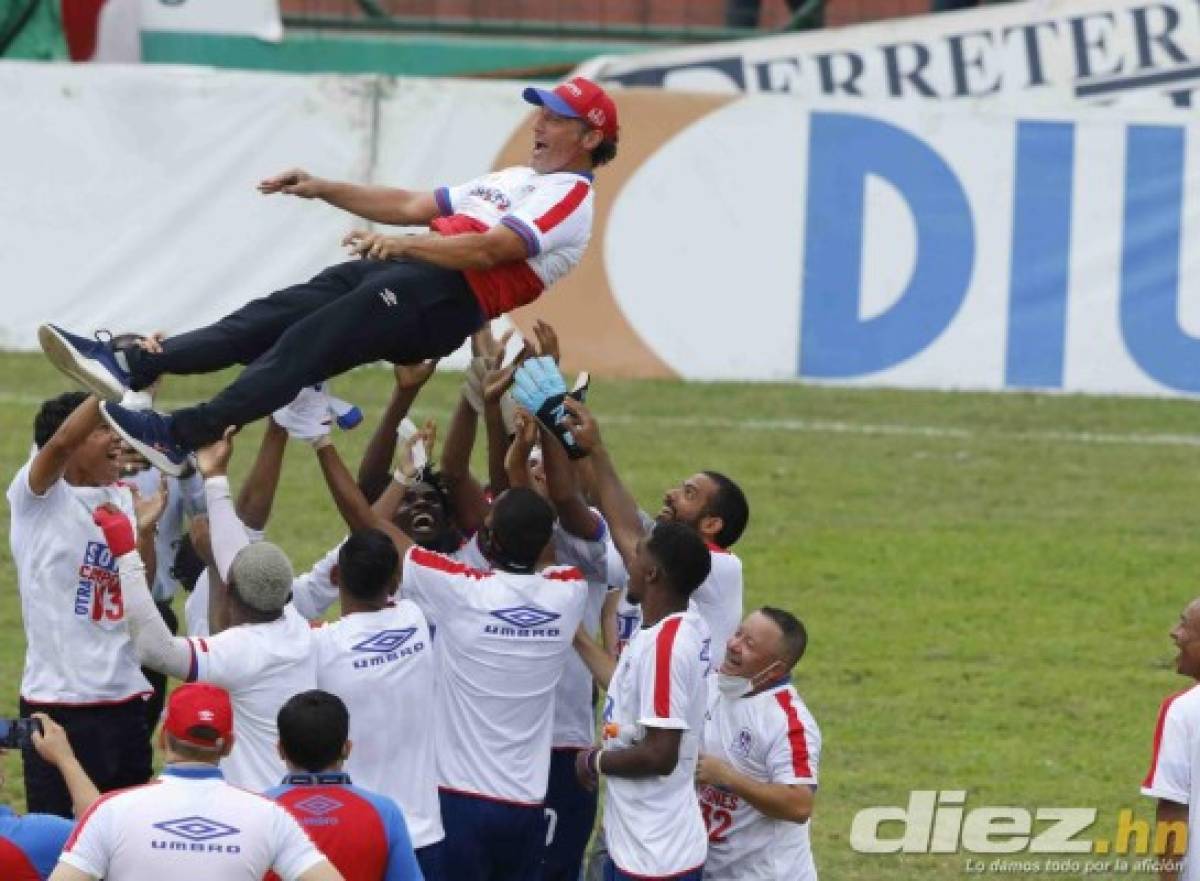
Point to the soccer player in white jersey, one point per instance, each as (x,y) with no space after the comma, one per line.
(190,823)
(378,658)
(261,651)
(495,243)
(654,717)
(708,502)
(758,771)
(1170,778)
(71,596)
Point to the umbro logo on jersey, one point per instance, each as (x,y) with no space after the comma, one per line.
(388,297)
(524,622)
(196,828)
(386,640)
(198,834)
(318,805)
(387,646)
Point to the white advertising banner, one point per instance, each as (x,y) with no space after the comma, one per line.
(736,237)
(256,18)
(1048,52)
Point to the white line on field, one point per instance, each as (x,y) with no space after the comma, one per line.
(824,426)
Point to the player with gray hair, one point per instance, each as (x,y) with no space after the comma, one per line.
(261,648)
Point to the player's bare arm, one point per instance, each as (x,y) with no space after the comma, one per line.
(467,497)
(616,502)
(351,503)
(483,250)
(562,483)
(600,662)
(390,205)
(655,755)
(257,495)
(373,470)
(50,463)
(779,801)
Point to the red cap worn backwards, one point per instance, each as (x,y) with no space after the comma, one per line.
(579,98)
(195,711)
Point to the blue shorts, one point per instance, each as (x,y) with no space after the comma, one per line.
(612,873)
(491,840)
(429,858)
(570,815)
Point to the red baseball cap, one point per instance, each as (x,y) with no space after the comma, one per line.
(579,98)
(195,711)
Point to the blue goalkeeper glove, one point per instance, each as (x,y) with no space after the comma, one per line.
(540,389)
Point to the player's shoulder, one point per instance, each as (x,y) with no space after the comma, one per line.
(785,705)
(561,573)
(1184,704)
(432,561)
(724,560)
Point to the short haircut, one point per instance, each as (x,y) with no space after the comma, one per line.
(729,503)
(681,554)
(191,752)
(313,727)
(53,413)
(522,523)
(604,153)
(367,562)
(795,637)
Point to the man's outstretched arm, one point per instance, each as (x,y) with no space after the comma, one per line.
(390,205)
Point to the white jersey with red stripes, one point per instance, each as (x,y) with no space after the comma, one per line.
(77,646)
(770,737)
(718,600)
(502,641)
(653,825)
(552,213)
(1176,735)
(380,663)
(189,824)
(261,666)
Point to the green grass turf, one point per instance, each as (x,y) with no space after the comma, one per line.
(988,606)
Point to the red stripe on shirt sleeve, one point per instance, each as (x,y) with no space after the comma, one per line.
(1158,733)
(796,740)
(440,563)
(662,668)
(566,573)
(561,211)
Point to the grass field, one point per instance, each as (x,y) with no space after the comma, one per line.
(988,580)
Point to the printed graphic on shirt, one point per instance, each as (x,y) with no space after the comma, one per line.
(98,590)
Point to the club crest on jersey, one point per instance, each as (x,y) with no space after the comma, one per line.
(198,834)
(741,744)
(493,195)
(386,646)
(524,622)
(98,588)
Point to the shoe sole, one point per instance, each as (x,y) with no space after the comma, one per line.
(64,356)
(153,456)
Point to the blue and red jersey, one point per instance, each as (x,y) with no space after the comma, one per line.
(30,845)
(361,832)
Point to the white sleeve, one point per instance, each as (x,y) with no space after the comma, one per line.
(314,591)
(293,851)
(230,659)
(557,215)
(1170,774)
(226,532)
(667,677)
(431,580)
(155,646)
(449,198)
(26,503)
(90,845)
(793,745)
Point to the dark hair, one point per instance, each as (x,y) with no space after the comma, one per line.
(313,727)
(522,523)
(729,503)
(604,153)
(682,554)
(795,637)
(367,562)
(53,413)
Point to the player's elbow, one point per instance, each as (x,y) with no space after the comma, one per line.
(799,805)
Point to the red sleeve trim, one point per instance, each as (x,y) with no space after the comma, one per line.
(440,563)
(662,668)
(563,209)
(565,573)
(799,745)
(1158,733)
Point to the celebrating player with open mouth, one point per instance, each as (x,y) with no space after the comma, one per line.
(496,243)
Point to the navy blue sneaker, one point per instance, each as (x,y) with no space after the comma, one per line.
(92,363)
(150,434)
